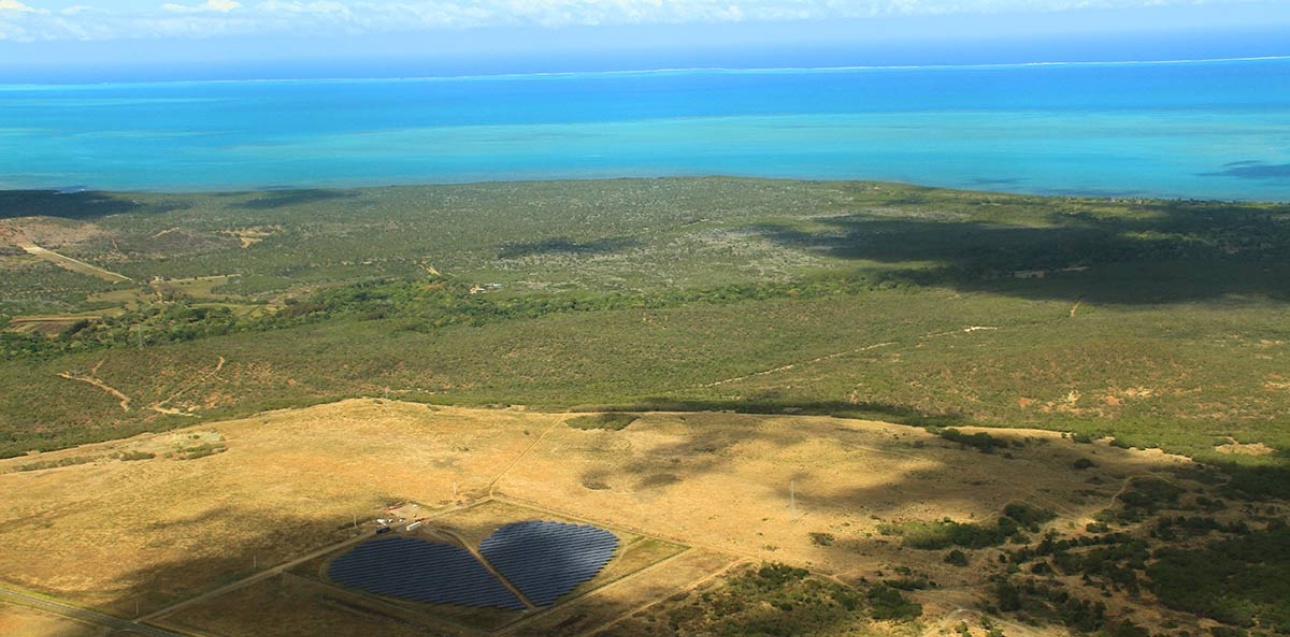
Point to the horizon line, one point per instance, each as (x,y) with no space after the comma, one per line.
(658,71)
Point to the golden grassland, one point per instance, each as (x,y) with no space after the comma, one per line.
(16,621)
(138,536)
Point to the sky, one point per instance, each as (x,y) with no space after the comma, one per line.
(172,39)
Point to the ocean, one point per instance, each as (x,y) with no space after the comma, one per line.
(1186,129)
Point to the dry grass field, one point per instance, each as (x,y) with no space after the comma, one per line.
(694,493)
(16,621)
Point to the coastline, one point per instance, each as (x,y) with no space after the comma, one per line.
(1170,130)
(46,195)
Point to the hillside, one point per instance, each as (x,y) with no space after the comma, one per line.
(728,524)
(1161,323)
(801,407)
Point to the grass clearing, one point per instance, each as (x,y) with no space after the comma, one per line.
(294,481)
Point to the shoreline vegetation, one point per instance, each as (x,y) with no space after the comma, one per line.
(1158,323)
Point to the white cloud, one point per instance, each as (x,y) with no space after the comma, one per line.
(221,6)
(14,5)
(120,19)
(304,7)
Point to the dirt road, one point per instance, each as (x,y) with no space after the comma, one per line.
(74,265)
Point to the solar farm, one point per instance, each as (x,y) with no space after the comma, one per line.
(540,559)
(509,522)
(547,559)
(487,566)
(421,571)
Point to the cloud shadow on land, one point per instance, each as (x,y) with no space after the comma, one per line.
(82,205)
(863,410)
(272,200)
(705,448)
(1144,253)
(565,245)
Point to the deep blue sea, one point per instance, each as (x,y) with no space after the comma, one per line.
(1207,129)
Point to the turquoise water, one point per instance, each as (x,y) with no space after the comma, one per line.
(1211,130)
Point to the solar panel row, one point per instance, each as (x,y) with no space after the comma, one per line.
(421,571)
(545,559)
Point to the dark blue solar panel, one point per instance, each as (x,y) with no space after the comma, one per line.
(548,559)
(421,571)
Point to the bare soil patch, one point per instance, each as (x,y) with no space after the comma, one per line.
(51,231)
(251,236)
(1245,449)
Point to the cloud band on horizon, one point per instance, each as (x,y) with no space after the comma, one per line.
(52,20)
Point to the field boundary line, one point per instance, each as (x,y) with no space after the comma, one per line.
(488,566)
(492,485)
(253,578)
(281,568)
(85,615)
(659,600)
(510,628)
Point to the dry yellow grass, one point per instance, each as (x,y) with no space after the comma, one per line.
(17,621)
(113,534)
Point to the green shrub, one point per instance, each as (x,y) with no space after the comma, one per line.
(1240,581)
(1228,631)
(53,464)
(887,603)
(774,600)
(200,451)
(1028,516)
(822,539)
(941,534)
(981,441)
(1150,494)
(956,558)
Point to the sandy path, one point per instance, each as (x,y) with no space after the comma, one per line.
(73,265)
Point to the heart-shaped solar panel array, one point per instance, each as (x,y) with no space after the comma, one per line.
(548,559)
(542,559)
(422,571)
